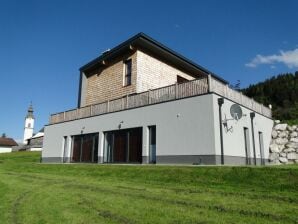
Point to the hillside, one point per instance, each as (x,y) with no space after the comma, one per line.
(281,92)
(31,192)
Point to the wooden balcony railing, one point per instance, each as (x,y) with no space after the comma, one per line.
(164,94)
(238,97)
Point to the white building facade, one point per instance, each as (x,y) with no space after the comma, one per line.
(6,144)
(29,125)
(5,149)
(188,120)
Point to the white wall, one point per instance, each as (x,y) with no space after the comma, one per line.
(4,149)
(234,144)
(35,149)
(186,127)
(28,130)
(183,127)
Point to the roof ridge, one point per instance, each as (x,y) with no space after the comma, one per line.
(156,43)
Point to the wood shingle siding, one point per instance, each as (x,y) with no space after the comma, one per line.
(154,73)
(107,82)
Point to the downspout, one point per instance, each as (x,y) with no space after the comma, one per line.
(252,115)
(220,102)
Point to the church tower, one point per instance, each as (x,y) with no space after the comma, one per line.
(29,124)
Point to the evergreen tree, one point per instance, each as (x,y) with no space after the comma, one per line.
(281,92)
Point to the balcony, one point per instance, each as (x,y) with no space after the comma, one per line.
(173,92)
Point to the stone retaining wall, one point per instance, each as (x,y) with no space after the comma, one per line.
(284,144)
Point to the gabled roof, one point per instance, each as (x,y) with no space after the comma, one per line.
(144,41)
(37,135)
(7,142)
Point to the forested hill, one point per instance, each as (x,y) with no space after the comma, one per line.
(281,92)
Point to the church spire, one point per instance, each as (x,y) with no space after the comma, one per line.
(30,112)
(29,124)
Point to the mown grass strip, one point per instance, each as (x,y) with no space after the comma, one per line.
(80,193)
(129,194)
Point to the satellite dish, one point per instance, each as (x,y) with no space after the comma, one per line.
(236,111)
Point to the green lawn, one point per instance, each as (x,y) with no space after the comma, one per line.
(31,192)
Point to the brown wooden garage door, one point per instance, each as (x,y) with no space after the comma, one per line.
(85,148)
(124,146)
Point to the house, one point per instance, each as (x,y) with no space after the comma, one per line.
(35,143)
(6,144)
(141,102)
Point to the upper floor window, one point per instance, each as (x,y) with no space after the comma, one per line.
(127,74)
(180,79)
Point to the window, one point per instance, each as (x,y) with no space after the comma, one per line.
(127,75)
(85,148)
(152,144)
(180,79)
(246,145)
(123,146)
(65,153)
(29,125)
(261,148)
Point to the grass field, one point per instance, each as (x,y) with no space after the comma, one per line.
(31,192)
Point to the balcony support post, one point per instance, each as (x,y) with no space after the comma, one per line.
(149,100)
(209,83)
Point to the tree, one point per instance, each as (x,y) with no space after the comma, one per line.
(236,86)
(3,135)
(281,92)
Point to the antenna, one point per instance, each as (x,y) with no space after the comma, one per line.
(236,112)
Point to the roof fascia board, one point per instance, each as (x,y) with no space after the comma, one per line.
(144,37)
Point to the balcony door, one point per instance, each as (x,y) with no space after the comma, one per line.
(123,146)
(85,148)
(152,144)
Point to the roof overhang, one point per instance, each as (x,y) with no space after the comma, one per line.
(145,43)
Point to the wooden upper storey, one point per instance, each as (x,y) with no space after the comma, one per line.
(135,66)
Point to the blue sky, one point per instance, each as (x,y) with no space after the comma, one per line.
(43,43)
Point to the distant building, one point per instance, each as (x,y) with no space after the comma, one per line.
(31,141)
(29,125)
(36,142)
(6,144)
